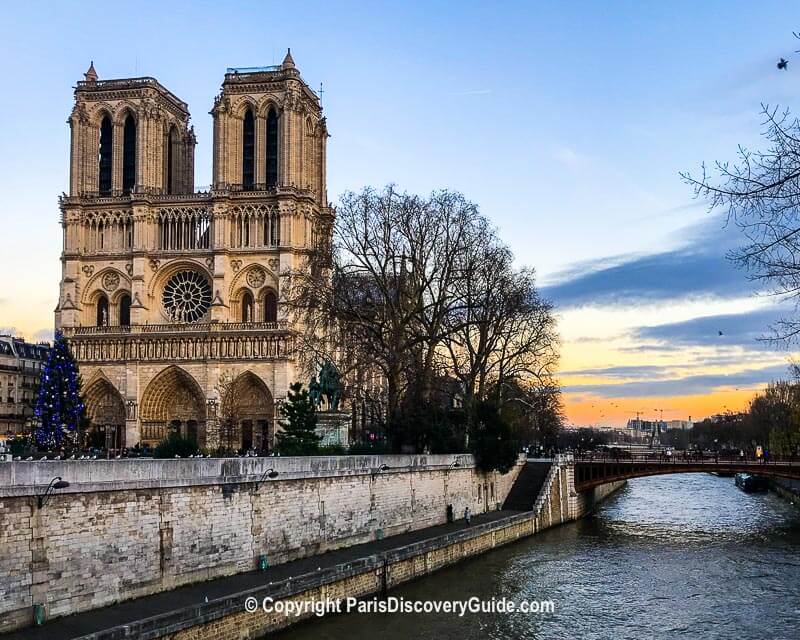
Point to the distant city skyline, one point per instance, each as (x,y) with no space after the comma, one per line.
(567,125)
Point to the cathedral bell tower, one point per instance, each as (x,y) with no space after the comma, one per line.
(167,290)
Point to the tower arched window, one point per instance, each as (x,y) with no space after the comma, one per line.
(248,150)
(125,310)
(102,311)
(104,159)
(272,148)
(129,155)
(247,307)
(172,140)
(270,307)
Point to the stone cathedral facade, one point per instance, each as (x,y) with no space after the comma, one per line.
(166,289)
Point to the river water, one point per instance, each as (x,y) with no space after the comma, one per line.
(672,556)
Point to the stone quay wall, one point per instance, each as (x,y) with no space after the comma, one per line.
(226,619)
(129,528)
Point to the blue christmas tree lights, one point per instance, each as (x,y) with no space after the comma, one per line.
(59,407)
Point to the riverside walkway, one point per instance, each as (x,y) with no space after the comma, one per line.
(167,609)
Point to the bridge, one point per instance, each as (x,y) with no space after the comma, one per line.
(593,470)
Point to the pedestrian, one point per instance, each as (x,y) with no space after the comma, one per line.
(467,516)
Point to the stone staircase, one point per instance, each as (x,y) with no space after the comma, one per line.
(527,486)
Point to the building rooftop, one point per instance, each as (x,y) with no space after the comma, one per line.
(92,85)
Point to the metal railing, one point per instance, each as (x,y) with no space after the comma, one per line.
(684,457)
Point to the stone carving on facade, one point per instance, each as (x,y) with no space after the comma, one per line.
(110,281)
(129,268)
(130,409)
(210,263)
(236,265)
(293,101)
(155,263)
(273,263)
(88,269)
(256,277)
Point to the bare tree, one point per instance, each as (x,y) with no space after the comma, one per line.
(412,291)
(761,193)
(501,330)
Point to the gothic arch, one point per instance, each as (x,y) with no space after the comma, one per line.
(245,102)
(104,403)
(100,111)
(170,269)
(256,410)
(269,102)
(123,111)
(94,286)
(272,146)
(238,300)
(171,396)
(241,281)
(255,398)
(269,305)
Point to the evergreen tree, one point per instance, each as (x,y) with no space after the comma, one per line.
(493,443)
(59,407)
(299,436)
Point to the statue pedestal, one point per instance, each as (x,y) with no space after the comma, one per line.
(334,427)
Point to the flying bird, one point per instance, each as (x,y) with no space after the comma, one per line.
(720,333)
(783,64)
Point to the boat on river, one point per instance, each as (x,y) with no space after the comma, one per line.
(750,483)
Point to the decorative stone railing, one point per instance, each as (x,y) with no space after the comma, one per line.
(198,327)
(183,348)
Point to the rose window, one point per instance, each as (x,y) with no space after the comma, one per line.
(187,297)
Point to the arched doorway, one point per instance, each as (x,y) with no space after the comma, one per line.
(106,412)
(255,413)
(173,401)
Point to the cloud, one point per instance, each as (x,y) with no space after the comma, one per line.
(622,371)
(688,385)
(697,268)
(738,329)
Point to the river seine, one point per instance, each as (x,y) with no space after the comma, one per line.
(672,556)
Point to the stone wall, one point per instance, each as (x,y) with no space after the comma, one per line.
(225,619)
(127,528)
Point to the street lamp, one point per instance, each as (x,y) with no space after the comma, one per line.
(376,471)
(55,483)
(270,474)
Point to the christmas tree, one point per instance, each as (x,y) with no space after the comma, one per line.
(299,437)
(59,407)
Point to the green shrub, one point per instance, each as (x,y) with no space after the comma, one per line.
(175,444)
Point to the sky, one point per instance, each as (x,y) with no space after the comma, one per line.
(567,123)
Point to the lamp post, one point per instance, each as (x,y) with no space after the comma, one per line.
(270,474)
(376,471)
(55,484)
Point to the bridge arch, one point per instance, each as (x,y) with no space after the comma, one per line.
(596,472)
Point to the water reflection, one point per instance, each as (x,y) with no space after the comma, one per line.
(672,556)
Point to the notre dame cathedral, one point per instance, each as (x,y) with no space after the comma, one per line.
(166,289)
